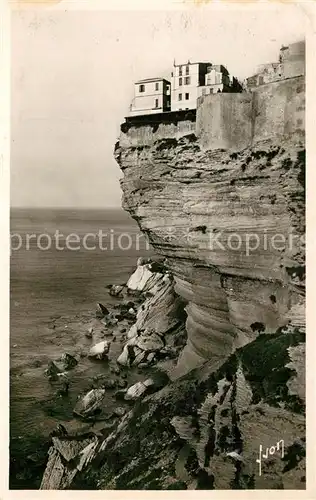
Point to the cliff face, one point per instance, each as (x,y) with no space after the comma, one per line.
(205,430)
(224,203)
(222,200)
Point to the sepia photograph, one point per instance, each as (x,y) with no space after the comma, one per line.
(157,247)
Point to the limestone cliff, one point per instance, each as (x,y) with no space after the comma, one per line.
(221,196)
(225,205)
(204,431)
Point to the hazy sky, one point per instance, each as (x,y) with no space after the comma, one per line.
(72,83)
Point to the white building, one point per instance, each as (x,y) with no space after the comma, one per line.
(217,79)
(150,96)
(186,78)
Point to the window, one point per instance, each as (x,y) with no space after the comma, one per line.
(187,70)
(142,88)
(187,96)
(180,97)
(180,82)
(260,80)
(156,103)
(157,86)
(180,70)
(187,80)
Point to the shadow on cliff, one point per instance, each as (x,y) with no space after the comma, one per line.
(203,431)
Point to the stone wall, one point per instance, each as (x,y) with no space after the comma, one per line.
(146,135)
(235,121)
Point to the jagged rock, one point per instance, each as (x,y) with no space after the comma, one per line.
(141,261)
(123,358)
(220,437)
(57,369)
(99,350)
(59,431)
(68,361)
(137,390)
(148,341)
(160,311)
(143,279)
(235,456)
(52,371)
(62,455)
(140,347)
(101,311)
(88,404)
(116,290)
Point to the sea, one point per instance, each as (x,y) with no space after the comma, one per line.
(55,281)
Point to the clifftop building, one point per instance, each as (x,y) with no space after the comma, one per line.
(291,63)
(151,95)
(193,80)
(189,82)
(186,78)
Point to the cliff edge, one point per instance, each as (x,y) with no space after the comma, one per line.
(222,198)
(221,195)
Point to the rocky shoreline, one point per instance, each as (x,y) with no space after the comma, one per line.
(135,343)
(140,427)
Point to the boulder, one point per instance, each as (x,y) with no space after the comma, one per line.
(161,310)
(68,361)
(138,348)
(88,404)
(89,333)
(116,290)
(137,390)
(101,311)
(149,341)
(119,411)
(125,306)
(123,358)
(143,279)
(52,371)
(100,350)
(141,261)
